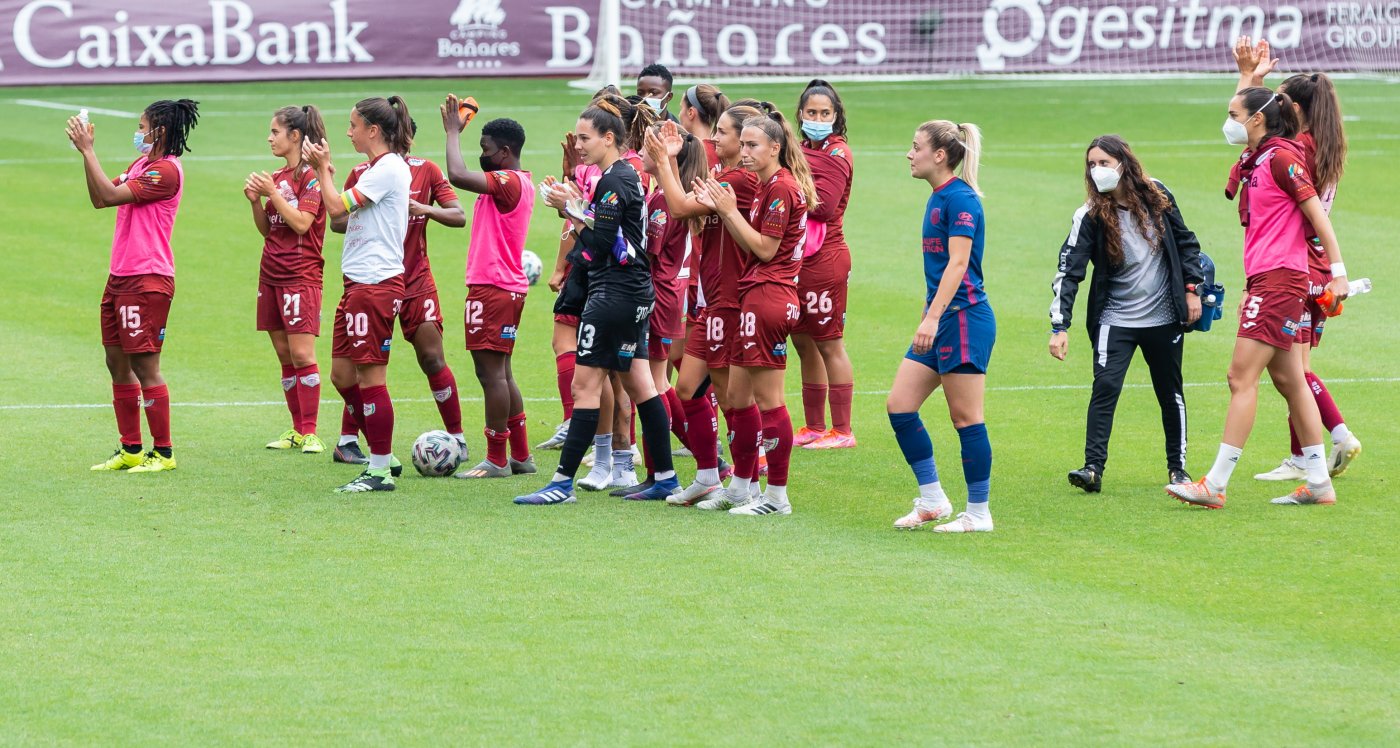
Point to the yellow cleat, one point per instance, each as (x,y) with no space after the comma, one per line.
(120,460)
(154,462)
(311,445)
(289,439)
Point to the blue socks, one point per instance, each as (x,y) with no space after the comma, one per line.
(916,446)
(977,462)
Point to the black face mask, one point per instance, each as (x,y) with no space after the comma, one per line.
(488,163)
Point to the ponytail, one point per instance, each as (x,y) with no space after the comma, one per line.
(1322,115)
(1280,118)
(391,116)
(692,164)
(962,143)
(708,102)
(790,157)
(305,120)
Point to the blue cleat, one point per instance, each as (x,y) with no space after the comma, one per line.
(658,491)
(557,492)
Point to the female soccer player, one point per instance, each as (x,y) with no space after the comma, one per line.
(716,319)
(770,234)
(611,245)
(701,107)
(953,344)
(669,248)
(496,282)
(1277,203)
(293,225)
(1146,263)
(826,272)
(420,311)
(373,265)
(141,283)
(1324,143)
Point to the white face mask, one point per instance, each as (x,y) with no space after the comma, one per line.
(658,104)
(1235,132)
(1105,178)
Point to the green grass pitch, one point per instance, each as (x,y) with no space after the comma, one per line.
(239,601)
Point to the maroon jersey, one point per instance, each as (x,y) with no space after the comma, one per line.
(427,185)
(832,167)
(289,258)
(668,243)
(721,259)
(779,210)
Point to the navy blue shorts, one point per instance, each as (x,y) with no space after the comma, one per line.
(964,342)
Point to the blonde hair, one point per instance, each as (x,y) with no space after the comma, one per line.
(962,143)
(772,123)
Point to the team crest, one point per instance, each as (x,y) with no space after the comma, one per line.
(609,198)
(777,206)
(659,217)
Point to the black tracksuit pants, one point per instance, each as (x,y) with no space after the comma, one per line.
(1113,352)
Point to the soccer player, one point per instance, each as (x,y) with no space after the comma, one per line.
(1146,263)
(293,225)
(1278,201)
(141,282)
(376,210)
(420,313)
(611,245)
(1325,145)
(953,343)
(716,318)
(669,248)
(769,231)
(826,271)
(654,89)
(496,282)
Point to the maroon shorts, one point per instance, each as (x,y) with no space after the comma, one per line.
(422,309)
(567,320)
(821,290)
(695,324)
(1314,318)
(295,309)
(492,317)
(721,337)
(134,310)
(768,313)
(1274,304)
(364,320)
(658,347)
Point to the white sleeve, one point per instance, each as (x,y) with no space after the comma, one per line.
(375,183)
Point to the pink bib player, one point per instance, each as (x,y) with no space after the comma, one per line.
(498,239)
(141,241)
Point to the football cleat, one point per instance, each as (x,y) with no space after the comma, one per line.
(762,466)
(658,491)
(921,515)
(1305,494)
(726,471)
(1198,494)
(724,499)
(553,493)
(369,480)
(395,467)
(693,494)
(523,467)
(833,440)
(596,480)
(311,445)
(1286,471)
(1177,476)
(154,462)
(289,439)
(1089,478)
(805,436)
(349,454)
(762,507)
(485,470)
(556,441)
(623,493)
(966,523)
(1342,454)
(682,451)
(626,479)
(120,460)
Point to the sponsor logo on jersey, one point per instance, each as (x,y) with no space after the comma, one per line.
(777,206)
(933,245)
(838,153)
(964,219)
(358,343)
(1290,327)
(385,345)
(153,176)
(609,198)
(508,332)
(501,176)
(473,330)
(161,336)
(659,217)
(1247,325)
(780,349)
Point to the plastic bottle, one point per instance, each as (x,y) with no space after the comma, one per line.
(1354,288)
(82,117)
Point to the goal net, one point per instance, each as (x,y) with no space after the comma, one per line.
(799,39)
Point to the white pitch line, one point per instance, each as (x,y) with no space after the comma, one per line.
(862,393)
(75,107)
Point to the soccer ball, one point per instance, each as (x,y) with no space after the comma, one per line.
(437,454)
(533,266)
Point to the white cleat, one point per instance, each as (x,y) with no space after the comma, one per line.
(1286,471)
(625,479)
(724,499)
(556,441)
(693,494)
(922,515)
(762,507)
(596,480)
(682,452)
(1342,454)
(1306,495)
(966,523)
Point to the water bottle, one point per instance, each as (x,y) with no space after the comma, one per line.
(82,117)
(1354,288)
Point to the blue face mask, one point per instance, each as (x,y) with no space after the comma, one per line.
(816,131)
(138,141)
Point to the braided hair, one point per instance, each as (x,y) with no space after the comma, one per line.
(175,119)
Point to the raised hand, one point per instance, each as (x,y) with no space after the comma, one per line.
(316,154)
(451,111)
(80,134)
(261,183)
(672,137)
(571,159)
